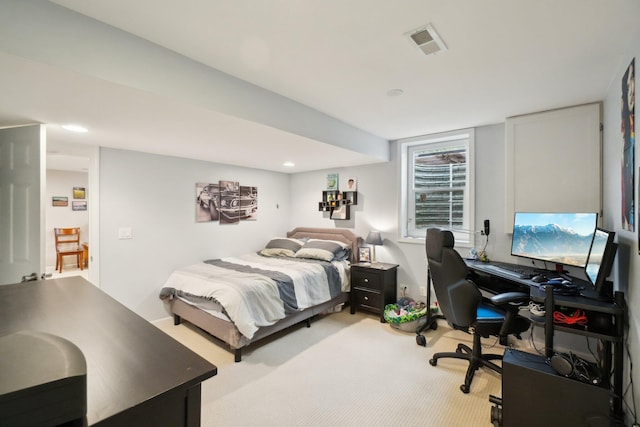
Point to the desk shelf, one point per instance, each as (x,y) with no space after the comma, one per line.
(575,301)
(605,336)
(612,337)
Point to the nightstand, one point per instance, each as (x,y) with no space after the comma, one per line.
(373,286)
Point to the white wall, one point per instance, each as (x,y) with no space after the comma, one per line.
(61,183)
(155,196)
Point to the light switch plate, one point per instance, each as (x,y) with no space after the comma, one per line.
(124,233)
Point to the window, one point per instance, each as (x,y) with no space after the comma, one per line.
(437,181)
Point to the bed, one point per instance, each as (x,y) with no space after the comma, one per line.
(241,300)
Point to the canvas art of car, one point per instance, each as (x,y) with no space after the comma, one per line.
(226,201)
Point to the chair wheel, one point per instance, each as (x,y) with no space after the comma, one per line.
(464,388)
(433,362)
(421,340)
(434,326)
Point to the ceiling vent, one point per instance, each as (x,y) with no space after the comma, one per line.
(426,39)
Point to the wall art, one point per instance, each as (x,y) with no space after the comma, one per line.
(79,192)
(627,128)
(207,201)
(59,201)
(350,183)
(226,201)
(332,181)
(78,205)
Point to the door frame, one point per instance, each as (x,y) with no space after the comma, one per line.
(94,216)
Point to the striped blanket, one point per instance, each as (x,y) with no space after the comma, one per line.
(257,291)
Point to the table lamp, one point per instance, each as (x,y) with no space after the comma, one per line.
(374,238)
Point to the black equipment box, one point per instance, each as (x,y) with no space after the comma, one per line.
(534,395)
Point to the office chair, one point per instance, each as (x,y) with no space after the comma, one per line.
(465,309)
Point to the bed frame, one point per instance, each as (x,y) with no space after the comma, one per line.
(228,333)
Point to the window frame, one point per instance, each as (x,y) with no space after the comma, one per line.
(464,236)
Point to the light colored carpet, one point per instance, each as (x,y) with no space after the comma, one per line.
(347,370)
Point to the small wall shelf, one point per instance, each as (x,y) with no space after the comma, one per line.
(338,203)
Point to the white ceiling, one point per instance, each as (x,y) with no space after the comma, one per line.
(504,58)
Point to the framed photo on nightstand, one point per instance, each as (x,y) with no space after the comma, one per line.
(364,254)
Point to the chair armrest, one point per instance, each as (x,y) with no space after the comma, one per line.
(510,298)
(513,323)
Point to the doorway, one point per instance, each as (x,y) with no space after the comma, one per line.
(71,201)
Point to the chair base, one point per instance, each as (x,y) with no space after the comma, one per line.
(79,260)
(429,324)
(474,356)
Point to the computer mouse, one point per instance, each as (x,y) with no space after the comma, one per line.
(539,278)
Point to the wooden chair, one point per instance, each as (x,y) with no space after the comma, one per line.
(68,243)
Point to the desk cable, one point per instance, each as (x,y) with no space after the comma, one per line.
(578,317)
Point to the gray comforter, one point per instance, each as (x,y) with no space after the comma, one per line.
(257,291)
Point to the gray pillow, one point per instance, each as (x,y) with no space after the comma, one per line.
(282,246)
(325,250)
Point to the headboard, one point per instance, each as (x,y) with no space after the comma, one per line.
(339,234)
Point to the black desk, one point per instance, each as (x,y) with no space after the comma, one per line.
(496,281)
(611,334)
(136,374)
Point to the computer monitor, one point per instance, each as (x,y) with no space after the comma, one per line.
(599,263)
(560,238)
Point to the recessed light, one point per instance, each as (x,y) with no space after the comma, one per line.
(289,164)
(75,128)
(395,92)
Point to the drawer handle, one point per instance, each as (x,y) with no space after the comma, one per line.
(366,280)
(366,298)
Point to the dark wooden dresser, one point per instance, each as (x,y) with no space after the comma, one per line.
(136,374)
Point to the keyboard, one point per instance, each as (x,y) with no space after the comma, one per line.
(515,271)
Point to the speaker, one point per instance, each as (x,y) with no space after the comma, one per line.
(571,366)
(534,394)
(562,364)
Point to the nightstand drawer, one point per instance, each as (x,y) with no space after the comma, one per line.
(366,279)
(367,299)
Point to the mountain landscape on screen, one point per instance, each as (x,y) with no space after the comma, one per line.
(551,242)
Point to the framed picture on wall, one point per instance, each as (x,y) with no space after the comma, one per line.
(349,183)
(59,201)
(79,192)
(78,206)
(332,181)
